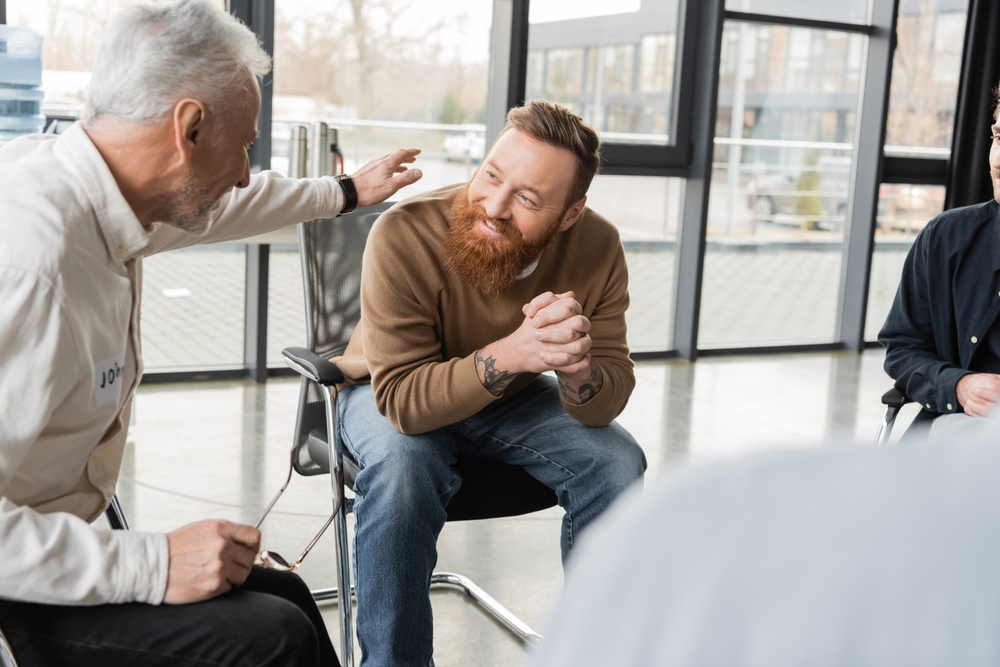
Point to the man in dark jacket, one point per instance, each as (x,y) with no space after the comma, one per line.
(942,338)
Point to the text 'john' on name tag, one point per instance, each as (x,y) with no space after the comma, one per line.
(108,379)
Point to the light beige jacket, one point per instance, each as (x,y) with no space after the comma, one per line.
(71,254)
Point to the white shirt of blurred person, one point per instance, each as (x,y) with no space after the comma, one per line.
(160,161)
(839,556)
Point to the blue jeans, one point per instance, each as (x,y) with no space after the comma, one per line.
(406,482)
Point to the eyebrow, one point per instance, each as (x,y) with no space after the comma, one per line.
(531,189)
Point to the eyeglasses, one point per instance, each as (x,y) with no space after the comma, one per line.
(273,561)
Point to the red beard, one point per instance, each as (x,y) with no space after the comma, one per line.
(490,265)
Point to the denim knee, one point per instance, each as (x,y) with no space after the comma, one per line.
(407,475)
(616,455)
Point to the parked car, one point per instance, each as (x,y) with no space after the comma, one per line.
(812,196)
(908,208)
(459,147)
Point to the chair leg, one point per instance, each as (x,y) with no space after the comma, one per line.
(470,588)
(885,428)
(6,654)
(343,556)
(489,603)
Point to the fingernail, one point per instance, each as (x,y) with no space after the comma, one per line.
(538,335)
(536,322)
(418,173)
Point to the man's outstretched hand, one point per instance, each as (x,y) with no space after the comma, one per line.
(208,558)
(978,392)
(381,178)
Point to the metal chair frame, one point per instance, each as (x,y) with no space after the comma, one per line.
(893,400)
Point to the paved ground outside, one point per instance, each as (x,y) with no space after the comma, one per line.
(193,301)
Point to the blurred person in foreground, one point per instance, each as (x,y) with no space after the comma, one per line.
(469,294)
(158,162)
(859,556)
(941,336)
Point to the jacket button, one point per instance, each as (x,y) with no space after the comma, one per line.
(974,340)
(948,406)
(928,406)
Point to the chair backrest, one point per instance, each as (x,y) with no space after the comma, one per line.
(331,251)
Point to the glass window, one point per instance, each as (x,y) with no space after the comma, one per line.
(286,311)
(646,211)
(925,70)
(846,11)
(656,71)
(612,64)
(903,210)
(782,169)
(397,73)
(564,75)
(72,30)
(535,84)
(193,304)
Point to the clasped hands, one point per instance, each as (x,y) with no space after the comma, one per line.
(554,336)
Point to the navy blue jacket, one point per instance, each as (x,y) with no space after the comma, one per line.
(948,298)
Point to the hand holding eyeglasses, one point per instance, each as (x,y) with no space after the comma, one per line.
(208,558)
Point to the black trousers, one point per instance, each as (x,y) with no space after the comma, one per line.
(270,620)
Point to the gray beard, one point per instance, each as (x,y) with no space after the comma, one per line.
(179,205)
(196,223)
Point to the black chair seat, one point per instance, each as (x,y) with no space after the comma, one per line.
(490,489)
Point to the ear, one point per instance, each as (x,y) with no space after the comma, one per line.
(189,127)
(572,214)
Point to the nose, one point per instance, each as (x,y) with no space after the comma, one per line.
(245,178)
(497,205)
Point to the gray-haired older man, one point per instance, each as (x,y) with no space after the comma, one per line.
(159,162)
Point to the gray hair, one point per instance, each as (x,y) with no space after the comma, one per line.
(155,55)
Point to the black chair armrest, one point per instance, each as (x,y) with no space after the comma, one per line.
(894,398)
(313,366)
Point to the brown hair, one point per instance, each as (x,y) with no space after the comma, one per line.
(556,125)
(996,103)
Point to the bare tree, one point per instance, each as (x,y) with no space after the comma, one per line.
(921,108)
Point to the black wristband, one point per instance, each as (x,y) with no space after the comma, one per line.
(350,194)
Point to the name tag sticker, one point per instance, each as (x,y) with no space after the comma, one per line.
(108,379)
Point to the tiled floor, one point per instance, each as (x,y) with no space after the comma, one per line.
(220,449)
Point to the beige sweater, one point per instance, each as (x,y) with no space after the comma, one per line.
(420,325)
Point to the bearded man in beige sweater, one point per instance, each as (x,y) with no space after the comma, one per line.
(469,294)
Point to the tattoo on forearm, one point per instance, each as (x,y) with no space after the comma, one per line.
(580,394)
(493,379)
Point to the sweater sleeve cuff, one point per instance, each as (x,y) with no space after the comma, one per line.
(600,410)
